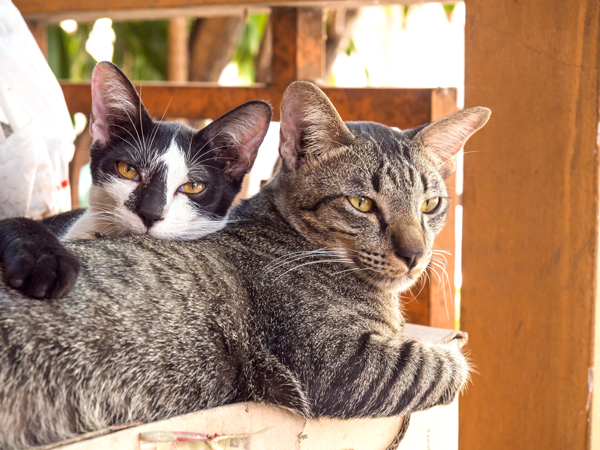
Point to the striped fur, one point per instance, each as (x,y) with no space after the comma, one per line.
(267,309)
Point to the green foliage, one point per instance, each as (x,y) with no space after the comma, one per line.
(66,53)
(247,50)
(449,9)
(141,49)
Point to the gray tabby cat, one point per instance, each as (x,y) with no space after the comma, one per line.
(295,304)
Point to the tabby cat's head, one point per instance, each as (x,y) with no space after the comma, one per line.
(376,194)
(166,180)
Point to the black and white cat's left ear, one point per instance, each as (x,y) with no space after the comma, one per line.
(116,106)
(444,138)
(236,136)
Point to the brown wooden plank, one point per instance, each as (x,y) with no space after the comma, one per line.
(311,44)
(531,230)
(284,28)
(404,108)
(178,59)
(55,10)
(442,309)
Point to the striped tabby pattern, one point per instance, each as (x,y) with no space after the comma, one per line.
(276,307)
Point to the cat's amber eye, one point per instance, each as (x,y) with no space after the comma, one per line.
(128,171)
(192,188)
(364,204)
(430,205)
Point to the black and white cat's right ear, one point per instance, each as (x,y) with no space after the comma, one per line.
(310,126)
(115,104)
(444,138)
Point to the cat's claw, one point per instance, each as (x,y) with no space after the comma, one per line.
(35,262)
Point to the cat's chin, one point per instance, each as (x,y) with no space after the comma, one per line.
(392,284)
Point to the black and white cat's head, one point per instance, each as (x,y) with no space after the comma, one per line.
(166,180)
(372,195)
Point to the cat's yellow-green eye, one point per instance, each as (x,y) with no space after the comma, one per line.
(430,205)
(364,204)
(127,170)
(192,188)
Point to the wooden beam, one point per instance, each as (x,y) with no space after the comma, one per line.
(57,10)
(530,299)
(404,108)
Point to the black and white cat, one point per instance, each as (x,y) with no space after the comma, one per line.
(165,180)
(155,178)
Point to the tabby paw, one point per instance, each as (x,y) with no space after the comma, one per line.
(42,272)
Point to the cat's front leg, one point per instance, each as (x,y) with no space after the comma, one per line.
(34,260)
(379,376)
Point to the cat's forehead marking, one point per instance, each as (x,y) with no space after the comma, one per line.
(175,167)
(397,166)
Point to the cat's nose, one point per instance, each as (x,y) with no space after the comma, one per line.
(410,256)
(150,217)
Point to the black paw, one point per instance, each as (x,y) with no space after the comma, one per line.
(41,272)
(35,262)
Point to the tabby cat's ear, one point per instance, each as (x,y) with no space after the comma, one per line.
(444,138)
(235,137)
(310,126)
(115,104)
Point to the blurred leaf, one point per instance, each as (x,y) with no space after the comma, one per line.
(449,9)
(247,50)
(66,53)
(141,49)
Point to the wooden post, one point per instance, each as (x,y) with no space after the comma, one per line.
(178,49)
(298,45)
(432,303)
(531,207)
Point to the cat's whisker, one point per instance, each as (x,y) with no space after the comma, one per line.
(141,121)
(156,127)
(271,266)
(313,262)
(356,269)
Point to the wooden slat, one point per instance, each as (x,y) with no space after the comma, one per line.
(284,64)
(530,293)
(432,303)
(311,44)
(56,10)
(404,108)
(442,309)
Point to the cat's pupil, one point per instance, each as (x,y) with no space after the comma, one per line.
(360,201)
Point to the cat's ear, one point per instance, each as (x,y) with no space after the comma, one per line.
(115,104)
(235,137)
(444,138)
(310,125)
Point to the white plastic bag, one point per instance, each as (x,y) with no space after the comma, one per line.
(43,132)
